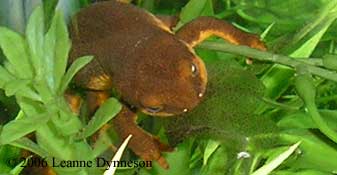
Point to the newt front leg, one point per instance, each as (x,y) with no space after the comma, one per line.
(142,143)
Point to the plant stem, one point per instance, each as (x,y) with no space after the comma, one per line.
(279,105)
(267,56)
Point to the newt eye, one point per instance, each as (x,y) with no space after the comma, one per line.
(154,109)
(194,70)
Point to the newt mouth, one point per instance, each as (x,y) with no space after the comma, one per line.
(156,112)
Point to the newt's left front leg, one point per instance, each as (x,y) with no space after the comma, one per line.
(201,28)
(145,145)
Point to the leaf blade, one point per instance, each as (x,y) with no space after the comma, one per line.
(62,49)
(18,128)
(266,169)
(34,33)
(74,68)
(18,56)
(106,112)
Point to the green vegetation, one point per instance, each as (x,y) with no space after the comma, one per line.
(277,115)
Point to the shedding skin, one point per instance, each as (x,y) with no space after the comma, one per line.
(138,55)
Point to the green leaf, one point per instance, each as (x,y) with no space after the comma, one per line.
(10,68)
(74,68)
(266,169)
(192,9)
(217,162)
(14,86)
(330,61)
(266,31)
(210,149)
(289,15)
(18,128)
(5,77)
(83,150)
(323,155)
(34,34)
(48,138)
(49,8)
(208,9)
(8,152)
(62,47)
(57,46)
(29,93)
(18,168)
(105,113)
(103,142)
(303,120)
(15,49)
(306,49)
(27,144)
(67,123)
(277,79)
(30,107)
(21,88)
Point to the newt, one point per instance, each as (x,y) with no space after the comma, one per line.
(153,69)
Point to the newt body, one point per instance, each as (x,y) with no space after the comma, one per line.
(153,69)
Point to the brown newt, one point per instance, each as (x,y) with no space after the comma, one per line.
(153,69)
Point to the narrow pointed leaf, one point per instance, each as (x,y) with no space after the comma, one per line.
(18,128)
(210,149)
(29,145)
(34,33)
(49,55)
(49,9)
(106,112)
(62,48)
(57,46)
(18,168)
(191,10)
(74,68)
(266,169)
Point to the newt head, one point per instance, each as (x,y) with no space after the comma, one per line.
(167,79)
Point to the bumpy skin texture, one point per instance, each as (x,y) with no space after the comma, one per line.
(153,70)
